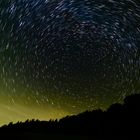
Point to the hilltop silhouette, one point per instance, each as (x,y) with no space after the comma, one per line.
(119,121)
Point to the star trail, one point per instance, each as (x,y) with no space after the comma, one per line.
(62,57)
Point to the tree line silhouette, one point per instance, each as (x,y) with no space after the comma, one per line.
(118,120)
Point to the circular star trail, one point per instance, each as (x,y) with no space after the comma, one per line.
(62,57)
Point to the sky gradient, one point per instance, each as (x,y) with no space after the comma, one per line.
(62,57)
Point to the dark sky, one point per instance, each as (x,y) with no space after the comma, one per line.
(62,57)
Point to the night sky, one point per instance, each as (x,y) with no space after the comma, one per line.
(62,57)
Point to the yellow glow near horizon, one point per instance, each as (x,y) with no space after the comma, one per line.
(15,113)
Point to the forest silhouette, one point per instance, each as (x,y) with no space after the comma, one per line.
(118,121)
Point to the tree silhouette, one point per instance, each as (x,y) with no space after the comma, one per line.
(118,120)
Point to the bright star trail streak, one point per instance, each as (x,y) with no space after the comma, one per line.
(62,57)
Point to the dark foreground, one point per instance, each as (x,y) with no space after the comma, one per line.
(34,136)
(120,121)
